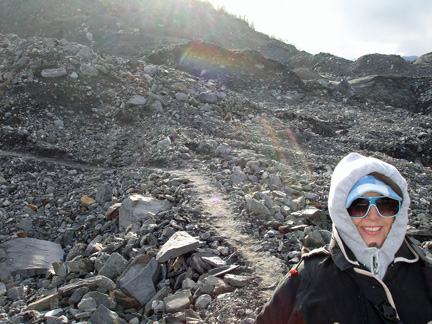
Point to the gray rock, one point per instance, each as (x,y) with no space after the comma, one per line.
(22,61)
(208,97)
(160,295)
(84,53)
(103,315)
(184,280)
(257,208)
(266,198)
(345,88)
(94,245)
(102,68)
(61,269)
(91,283)
(178,244)
(214,285)
(306,74)
(17,293)
(45,303)
(55,312)
(275,182)
(137,100)
(104,194)
(113,211)
(214,261)
(53,73)
(74,75)
(76,250)
(138,280)
(180,96)
(202,302)
(26,224)
(238,177)
(298,202)
(311,196)
(59,123)
(87,304)
(253,166)
(316,217)
(79,266)
(177,302)
(158,306)
(88,70)
(78,294)
(101,298)
(188,283)
(156,106)
(3,289)
(28,255)
(326,235)
(56,320)
(178,181)
(223,150)
(236,280)
(71,48)
(114,266)
(136,209)
(168,231)
(164,144)
(206,147)
(198,264)
(314,240)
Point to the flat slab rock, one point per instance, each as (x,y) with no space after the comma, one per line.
(178,244)
(28,255)
(136,208)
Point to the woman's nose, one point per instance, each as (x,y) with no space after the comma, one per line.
(372,213)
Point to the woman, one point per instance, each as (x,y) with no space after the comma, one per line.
(370,272)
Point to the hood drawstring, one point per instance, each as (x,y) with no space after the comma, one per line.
(375,263)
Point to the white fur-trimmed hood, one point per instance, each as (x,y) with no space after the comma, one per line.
(349,170)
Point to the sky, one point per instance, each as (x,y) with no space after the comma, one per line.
(345,28)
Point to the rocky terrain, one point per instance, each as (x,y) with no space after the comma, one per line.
(162,162)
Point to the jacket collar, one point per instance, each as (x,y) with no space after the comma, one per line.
(341,254)
(343,257)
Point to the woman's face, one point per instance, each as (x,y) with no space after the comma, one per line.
(373,228)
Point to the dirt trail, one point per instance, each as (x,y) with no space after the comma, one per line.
(25,156)
(221,217)
(265,270)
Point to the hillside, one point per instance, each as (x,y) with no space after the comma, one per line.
(162,162)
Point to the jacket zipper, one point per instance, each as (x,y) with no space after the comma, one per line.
(375,265)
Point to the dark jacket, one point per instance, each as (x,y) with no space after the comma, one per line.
(324,290)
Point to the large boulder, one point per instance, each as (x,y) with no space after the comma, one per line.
(139,279)
(28,256)
(178,244)
(137,208)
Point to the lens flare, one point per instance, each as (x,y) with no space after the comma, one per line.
(285,146)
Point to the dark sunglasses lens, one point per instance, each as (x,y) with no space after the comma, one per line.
(358,207)
(387,206)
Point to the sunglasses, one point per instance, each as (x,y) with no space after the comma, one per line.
(385,206)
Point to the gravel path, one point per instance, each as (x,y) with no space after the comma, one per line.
(217,211)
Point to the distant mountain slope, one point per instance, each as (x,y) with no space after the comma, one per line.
(147,24)
(137,29)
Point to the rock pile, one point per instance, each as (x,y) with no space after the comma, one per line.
(130,258)
(133,260)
